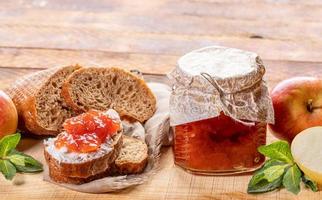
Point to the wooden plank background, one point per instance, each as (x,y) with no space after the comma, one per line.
(150,36)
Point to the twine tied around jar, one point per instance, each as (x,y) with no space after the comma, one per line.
(225,102)
(137,72)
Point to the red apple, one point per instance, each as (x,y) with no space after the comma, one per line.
(8,115)
(298,105)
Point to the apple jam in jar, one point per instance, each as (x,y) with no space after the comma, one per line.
(219,110)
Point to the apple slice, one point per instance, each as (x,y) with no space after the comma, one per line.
(307,152)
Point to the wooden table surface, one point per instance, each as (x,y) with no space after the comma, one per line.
(150,36)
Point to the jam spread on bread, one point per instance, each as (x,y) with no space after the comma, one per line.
(86,132)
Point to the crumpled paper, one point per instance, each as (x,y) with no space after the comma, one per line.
(156,132)
(206,92)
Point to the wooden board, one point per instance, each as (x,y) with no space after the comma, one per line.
(151,36)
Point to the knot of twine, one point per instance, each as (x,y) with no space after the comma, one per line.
(227,103)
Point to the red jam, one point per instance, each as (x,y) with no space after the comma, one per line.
(86,132)
(219,144)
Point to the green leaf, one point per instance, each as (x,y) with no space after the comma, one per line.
(272,162)
(310,183)
(259,174)
(264,186)
(7,169)
(17,159)
(29,168)
(292,179)
(259,182)
(8,143)
(279,150)
(274,172)
(31,164)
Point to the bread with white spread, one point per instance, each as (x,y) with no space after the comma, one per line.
(76,167)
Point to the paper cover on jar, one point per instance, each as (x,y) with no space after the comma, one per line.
(218,79)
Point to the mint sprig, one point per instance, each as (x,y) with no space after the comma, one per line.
(278,171)
(13,161)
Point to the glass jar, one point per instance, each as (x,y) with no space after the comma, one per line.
(219,115)
(219,144)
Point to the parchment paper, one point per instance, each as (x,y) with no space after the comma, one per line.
(156,133)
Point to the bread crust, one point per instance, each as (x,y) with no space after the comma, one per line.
(66,92)
(78,173)
(131,168)
(23,94)
(75,180)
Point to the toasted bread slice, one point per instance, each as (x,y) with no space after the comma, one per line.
(38,99)
(77,168)
(133,156)
(103,88)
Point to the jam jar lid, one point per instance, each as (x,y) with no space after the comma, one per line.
(218,79)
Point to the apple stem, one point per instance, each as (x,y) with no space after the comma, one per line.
(310,106)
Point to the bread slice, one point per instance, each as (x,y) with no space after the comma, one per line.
(103,88)
(38,99)
(78,168)
(133,156)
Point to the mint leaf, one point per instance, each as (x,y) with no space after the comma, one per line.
(310,183)
(265,186)
(28,168)
(268,178)
(8,143)
(274,172)
(7,169)
(31,164)
(17,159)
(279,150)
(272,162)
(258,175)
(292,179)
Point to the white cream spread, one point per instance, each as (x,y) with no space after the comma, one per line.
(62,155)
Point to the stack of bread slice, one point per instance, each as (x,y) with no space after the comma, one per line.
(46,99)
